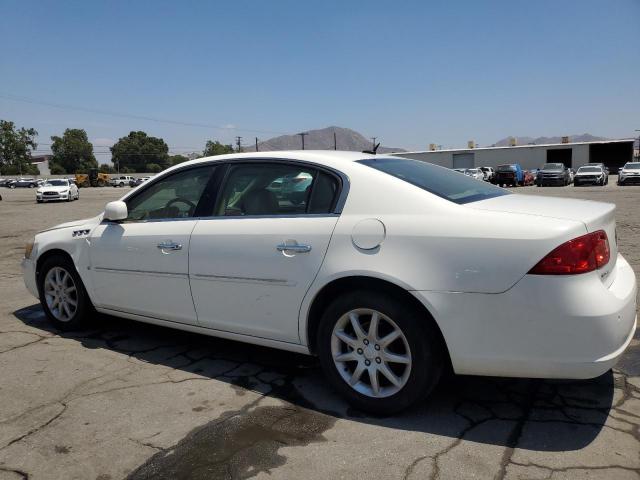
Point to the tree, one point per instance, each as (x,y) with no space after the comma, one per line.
(133,152)
(72,152)
(216,148)
(106,168)
(153,168)
(176,159)
(15,148)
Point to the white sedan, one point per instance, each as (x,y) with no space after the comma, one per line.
(390,270)
(57,189)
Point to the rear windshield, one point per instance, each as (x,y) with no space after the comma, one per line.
(506,168)
(440,181)
(553,166)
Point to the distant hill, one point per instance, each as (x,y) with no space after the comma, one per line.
(322,139)
(585,137)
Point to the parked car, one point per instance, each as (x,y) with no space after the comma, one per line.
(629,174)
(488,173)
(24,183)
(528,178)
(589,175)
(57,189)
(475,173)
(460,170)
(553,174)
(509,175)
(134,182)
(604,167)
(391,271)
(120,180)
(5,181)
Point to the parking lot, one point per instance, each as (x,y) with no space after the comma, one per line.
(132,400)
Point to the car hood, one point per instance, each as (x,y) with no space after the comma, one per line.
(86,222)
(579,174)
(53,188)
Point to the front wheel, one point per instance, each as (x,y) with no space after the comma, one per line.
(381,354)
(62,294)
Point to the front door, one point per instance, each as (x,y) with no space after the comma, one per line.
(252,262)
(141,265)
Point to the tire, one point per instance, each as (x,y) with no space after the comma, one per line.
(62,319)
(12,186)
(38,201)
(31,185)
(121,184)
(418,341)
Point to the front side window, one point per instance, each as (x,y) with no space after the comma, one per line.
(276,189)
(437,180)
(175,196)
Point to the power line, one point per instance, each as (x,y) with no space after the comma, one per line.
(16,98)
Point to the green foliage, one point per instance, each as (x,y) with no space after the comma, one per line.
(153,168)
(106,168)
(56,169)
(72,152)
(216,148)
(176,159)
(136,150)
(15,149)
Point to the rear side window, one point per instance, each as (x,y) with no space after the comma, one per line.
(440,181)
(276,189)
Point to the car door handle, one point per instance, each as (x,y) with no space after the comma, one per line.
(169,246)
(293,247)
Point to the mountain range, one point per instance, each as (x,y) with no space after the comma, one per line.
(322,139)
(585,137)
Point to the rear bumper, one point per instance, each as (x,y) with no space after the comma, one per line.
(543,327)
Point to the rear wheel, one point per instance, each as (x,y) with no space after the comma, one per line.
(381,354)
(62,294)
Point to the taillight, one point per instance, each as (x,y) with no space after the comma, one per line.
(580,255)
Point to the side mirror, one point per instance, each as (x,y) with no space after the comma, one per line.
(115,211)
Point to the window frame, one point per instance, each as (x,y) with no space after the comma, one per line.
(337,203)
(149,184)
(219,177)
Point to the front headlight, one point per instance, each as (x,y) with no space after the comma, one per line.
(28,248)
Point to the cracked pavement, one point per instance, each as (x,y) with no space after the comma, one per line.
(128,400)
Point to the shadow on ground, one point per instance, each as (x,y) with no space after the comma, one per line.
(558,415)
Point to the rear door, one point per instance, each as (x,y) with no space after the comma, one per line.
(141,265)
(252,262)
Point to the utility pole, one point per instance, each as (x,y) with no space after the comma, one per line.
(373,145)
(302,135)
(239,143)
(335,144)
(256,144)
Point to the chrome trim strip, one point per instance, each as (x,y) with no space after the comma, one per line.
(230,278)
(141,272)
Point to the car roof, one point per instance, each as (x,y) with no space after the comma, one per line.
(331,158)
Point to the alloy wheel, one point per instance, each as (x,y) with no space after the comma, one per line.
(61,294)
(371,353)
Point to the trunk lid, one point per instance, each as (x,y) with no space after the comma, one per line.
(594,215)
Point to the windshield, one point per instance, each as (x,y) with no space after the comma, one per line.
(632,166)
(589,169)
(57,183)
(437,180)
(553,166)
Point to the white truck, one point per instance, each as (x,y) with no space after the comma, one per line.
(120,180)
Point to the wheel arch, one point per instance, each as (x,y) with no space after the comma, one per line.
(51,253)
(363,282)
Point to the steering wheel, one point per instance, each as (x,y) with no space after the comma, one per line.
(192,206)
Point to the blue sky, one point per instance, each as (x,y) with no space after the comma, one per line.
(410,73)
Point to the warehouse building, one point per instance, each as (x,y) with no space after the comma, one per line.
(613,153)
